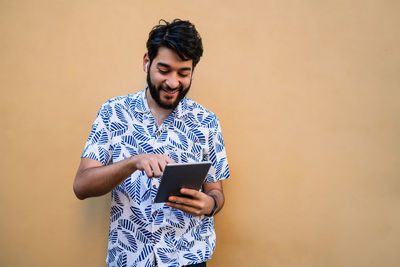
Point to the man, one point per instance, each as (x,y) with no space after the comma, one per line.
(134,137)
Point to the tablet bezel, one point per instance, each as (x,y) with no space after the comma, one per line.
(181,175)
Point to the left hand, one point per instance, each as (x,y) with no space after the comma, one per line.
(200,204)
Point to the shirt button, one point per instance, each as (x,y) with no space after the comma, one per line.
(157,133)
(155,213)
(154,186)
(155,240)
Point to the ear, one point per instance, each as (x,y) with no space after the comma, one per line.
(146,62)
(193,70)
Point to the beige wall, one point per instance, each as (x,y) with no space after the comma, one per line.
(307,93)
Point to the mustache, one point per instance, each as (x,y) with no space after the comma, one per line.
(167,88)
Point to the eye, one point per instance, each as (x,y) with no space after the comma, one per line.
(186,74)
(162,71)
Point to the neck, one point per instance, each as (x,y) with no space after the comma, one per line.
(160,114)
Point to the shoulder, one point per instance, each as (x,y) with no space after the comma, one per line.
(198,114)
(128,102)
(118,105)
(123,100)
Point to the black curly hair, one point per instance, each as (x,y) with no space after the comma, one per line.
(180,36)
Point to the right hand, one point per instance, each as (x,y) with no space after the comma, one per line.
(152,164)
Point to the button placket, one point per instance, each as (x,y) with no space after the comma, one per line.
(160,131)
(154,209)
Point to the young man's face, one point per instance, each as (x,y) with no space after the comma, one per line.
(169,78)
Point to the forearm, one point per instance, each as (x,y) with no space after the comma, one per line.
(94,179)
(100,180)
(218,194)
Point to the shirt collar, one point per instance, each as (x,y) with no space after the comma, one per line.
(141,104)
(181,109)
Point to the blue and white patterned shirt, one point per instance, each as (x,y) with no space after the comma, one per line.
(144,233)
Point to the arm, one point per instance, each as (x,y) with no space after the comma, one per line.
(95,179)
(202,202)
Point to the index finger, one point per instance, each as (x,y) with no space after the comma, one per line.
(166,161)
(190,192)
(169,160)
(188,201)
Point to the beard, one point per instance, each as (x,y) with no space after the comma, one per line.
(155,93)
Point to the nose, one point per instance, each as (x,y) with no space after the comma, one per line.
(172,81)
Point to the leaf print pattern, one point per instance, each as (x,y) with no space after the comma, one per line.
(143,232)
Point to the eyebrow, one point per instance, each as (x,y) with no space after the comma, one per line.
(168,66)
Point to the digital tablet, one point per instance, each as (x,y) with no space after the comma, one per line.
(181,175)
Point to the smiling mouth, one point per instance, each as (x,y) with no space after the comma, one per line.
(171,90)
(171,93)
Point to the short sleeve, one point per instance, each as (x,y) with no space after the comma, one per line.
(217,155)
(98,145)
